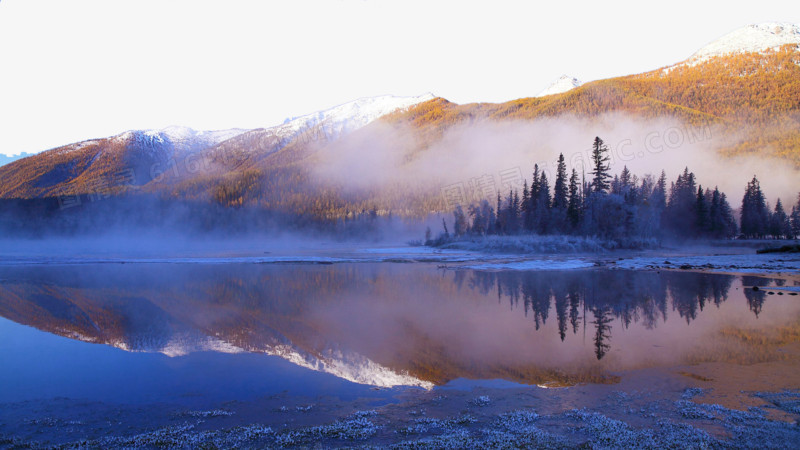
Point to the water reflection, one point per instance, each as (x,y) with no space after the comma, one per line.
(393,324)
(630,297)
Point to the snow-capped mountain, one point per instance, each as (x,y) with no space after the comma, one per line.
(170,139)
(178,138)
(347,365)
(290,148)
(350,366)
(346,118)
(563,84)
(752,38)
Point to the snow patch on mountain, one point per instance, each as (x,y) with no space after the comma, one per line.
(349,366)
(180,347)
(752,38)
(335,122)
(167,142)
(563,84)
(179,138)
(180,344)
(326,125)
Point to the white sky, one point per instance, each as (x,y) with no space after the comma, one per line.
(74,70)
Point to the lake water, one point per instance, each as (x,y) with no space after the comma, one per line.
(203,334)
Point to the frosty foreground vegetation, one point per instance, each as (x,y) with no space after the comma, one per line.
(660,423)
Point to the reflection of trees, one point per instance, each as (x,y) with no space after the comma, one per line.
(561,314)
(631,297)
(257,306)
(537,299)
(755,299)
(602,319)
(574,312)
(692,291)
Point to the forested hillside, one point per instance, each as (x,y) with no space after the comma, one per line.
(754,96)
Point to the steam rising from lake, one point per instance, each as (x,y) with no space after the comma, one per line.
(383,155)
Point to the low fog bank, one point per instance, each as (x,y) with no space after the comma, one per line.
(390,169)
(150,243)
(384,155)
(147,226)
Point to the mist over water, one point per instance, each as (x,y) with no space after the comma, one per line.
(382,155)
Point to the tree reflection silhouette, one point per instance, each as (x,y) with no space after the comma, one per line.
(629,296)
(755,299)
(602,319)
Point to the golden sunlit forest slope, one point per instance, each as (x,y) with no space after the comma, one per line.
(756,91)
(751,96)
(754,97)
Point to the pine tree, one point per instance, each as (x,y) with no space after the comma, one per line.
(498,223)
(730,228)
(525,206)
(625,179)
(616,187)
(715,222)
(680,214)
(755,217)
(542,213)
(702,222)
(531,224)
(560,188)
(459,222)
(659,196)
(558,212)
(780,227)
(795,220)
(511,221)
(627,186)
(525,196)
(489,216)
(601,167)
(575,201)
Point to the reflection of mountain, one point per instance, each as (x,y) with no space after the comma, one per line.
(381,324)
(227,318)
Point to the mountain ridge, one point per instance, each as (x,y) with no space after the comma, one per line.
(756,93)
(752,38)
(563,84)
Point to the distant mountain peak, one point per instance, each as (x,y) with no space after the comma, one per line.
(177,134)
(751,38)
(176,138)
(350,116)
(563,84)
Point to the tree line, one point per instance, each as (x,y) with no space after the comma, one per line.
(623,206)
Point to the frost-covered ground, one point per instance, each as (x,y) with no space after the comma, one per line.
(224,252)
(534,264)
(481,253)
(535,244)
(511,418)
(734,263)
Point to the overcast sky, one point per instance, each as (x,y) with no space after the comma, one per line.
(73,70)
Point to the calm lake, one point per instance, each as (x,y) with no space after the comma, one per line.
(202,334)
